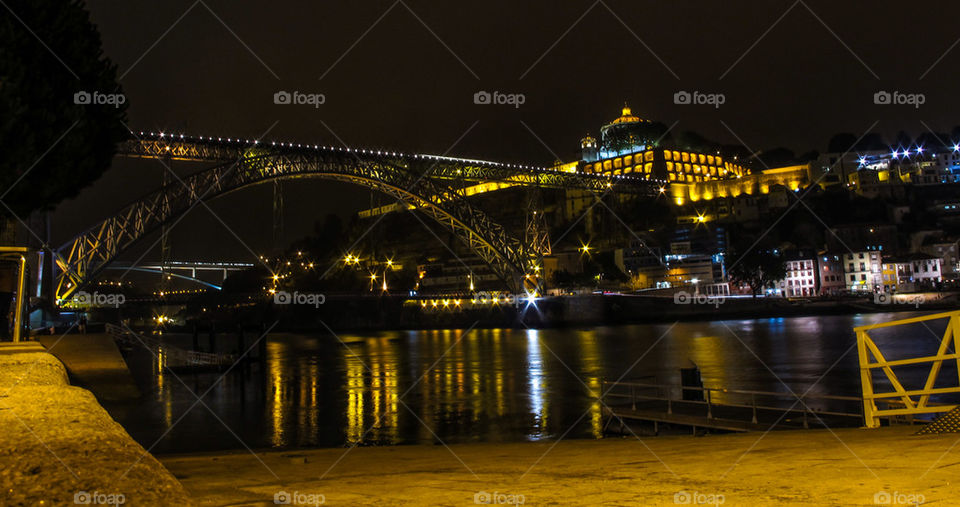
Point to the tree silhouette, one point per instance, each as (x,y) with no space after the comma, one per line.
(52,146)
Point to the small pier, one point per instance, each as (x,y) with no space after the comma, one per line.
(169,356)
(724,409)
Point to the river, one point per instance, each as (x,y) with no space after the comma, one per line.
(481,385)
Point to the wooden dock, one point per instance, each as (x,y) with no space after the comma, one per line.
(724,409)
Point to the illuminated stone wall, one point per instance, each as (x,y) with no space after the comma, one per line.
(792,177)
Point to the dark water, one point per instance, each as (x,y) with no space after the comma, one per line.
(488,385)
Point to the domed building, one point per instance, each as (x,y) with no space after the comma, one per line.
(630,145)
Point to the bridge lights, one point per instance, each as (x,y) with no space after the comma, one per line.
(585,249)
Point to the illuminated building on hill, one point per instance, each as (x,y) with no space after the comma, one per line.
(630,145)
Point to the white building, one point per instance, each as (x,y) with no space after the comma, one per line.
(913,272)
(801,279)
(863,271)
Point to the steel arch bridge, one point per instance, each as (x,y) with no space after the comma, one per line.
(428,183)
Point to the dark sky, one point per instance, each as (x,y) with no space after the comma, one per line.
(407,83)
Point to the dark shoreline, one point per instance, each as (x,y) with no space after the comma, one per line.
(393,313)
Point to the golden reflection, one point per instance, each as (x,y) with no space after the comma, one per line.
(372,398)
(708,353)
(164,394)
(539,405)
(278,403)
(592,372)
(498,370)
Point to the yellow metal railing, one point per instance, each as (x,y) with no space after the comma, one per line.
(912,401)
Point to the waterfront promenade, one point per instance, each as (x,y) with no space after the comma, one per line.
(59,442)
(800,467)
(60,447)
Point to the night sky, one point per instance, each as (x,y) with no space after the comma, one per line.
(403,75)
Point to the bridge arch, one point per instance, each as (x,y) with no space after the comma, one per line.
(86,255)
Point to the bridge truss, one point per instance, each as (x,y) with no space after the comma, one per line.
(431,184)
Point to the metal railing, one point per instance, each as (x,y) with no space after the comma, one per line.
(911,401)
(170,355)
(755,401)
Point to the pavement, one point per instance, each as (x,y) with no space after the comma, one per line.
(795,467)
(94,362)
(58,446)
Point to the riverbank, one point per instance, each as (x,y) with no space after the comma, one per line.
(60,447)
(390,313)
(810,467)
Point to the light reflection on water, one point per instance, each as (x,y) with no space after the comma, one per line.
(388,388)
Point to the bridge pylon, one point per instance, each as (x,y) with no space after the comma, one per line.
(536,240)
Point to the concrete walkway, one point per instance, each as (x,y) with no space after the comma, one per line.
(58,446)
(94,362)
(801,467)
